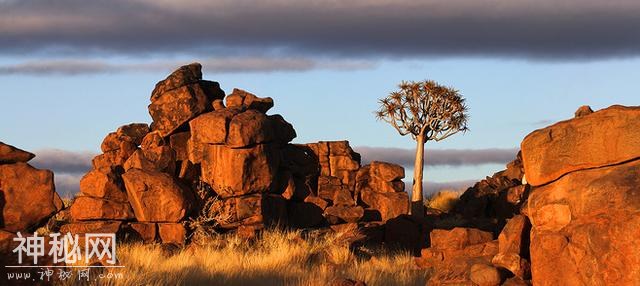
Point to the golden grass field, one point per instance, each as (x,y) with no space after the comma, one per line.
(277,258)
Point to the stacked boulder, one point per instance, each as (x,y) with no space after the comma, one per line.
(584,205)
(225,157)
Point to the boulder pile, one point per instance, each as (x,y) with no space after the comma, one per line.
(225,158)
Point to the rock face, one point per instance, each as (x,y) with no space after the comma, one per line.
(584,210)
(602,138)
(27,195)
(225,157)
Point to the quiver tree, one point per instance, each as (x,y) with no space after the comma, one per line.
(428,112)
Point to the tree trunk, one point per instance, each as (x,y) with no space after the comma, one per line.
(417,205)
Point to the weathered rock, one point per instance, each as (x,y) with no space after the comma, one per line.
(233,172)
(514,246)
(328,186)
(212,127)
(89,208)
(389,205)
(343,198)
(249,128)
(583,111)
(250,209)
(91,227)
(156,197)
(341,214)
(387,172)
(185,75)
(454,267)
(485,275)
(105,184)
(161,159)
(585,227)
(27,196)
(240,98)
(458,238)
(178,143)
(172,233)
(145,232)
(603,138)
(115,158)
(10,154)
(152,140)
(172,109)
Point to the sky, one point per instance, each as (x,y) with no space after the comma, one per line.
(71,70)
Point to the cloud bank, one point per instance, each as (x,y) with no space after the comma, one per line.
(221,65)
(445,157)
(546,29)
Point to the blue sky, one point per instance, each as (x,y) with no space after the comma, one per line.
(74,71)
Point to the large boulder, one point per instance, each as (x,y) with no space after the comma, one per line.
(105,183)
(212,127)
(127,134)
(388,205)
(242,99)
(251,209)
(10,154)
(156,197)
(249,128)
(90,208)
(585,225)
(27,196)
(605,137)
(182,96)
(233,172)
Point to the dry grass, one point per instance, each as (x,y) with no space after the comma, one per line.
(277,258)
(444,200)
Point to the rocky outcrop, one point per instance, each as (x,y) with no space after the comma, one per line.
(227,158)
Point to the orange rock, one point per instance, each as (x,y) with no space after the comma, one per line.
(485,275)
(387,172)
(172,233)
(89,208)
(173,109)
(27,196)
(178,143)
(253,209)
(603,138)
(249,128)
(458,238)
(91,227)
(10,154)
(212,127)
(161,159)
(514,246)
(585,227)
(146,232)
(389,205)
(182,76)
(241,98)
(328,186)
(152,140)
(583,111)
(156,197)
(343,198)
(115,158)
(105,184)
(233,172)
